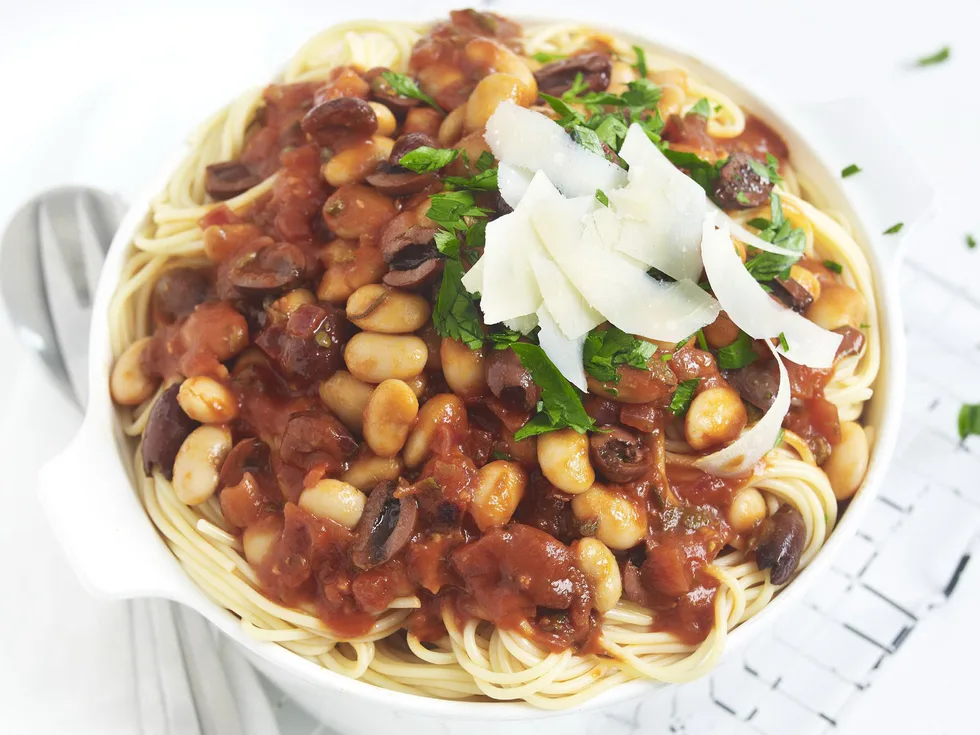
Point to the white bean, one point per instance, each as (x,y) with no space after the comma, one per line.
(619,524)
(848,462)
(334,500)
(564,459)
(499,489)
(129,384)
(388,417)
(601,569)
(198,463)
(374,357)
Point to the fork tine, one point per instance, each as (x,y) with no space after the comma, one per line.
(182,714)
(58,227)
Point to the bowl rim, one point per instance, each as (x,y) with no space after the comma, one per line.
(775,111)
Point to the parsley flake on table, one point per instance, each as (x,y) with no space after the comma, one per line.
(605,350)
(683,396)
(897,227)
(850,170)
(405,86)
(560,405)
(971,242)
(937,58)
(969,420)
(738,354)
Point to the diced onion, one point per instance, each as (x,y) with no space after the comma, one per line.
(743,454)
(755,311)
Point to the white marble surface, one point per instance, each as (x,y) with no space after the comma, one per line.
(100,92)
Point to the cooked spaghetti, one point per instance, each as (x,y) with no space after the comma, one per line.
(340,450)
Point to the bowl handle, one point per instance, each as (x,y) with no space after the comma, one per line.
(111,545)
(891,186)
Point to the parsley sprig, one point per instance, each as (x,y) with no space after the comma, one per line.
(605,350)
(738,354)
(405,86)
(560,406)
(779,231)
(683,396)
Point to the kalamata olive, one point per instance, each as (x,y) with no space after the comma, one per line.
(178,291)
(382,91)
(633,585)
(781,541)
(166,428)
(396,181)
(249,455)
(792,293)
(852,344)
(618,454)
(415,278)
(408,143)
(602,410)
(756,384)
(310,344)
(229,179)
(739,185)
(267,267)
(557,77)
(405,249)
(386,526)
(315,432)
(334,120)
(510,381)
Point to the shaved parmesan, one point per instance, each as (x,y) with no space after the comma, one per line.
(755,312)
(743,235)
(473,278)
(661,210)
(508,287)
(743,454)
(566,354)
(513,182)
(573,315)
(522,324)
(528,139)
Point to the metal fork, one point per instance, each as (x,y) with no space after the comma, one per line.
(52,252)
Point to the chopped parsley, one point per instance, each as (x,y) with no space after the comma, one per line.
(502,338)
(971,242)
(447,243)
(683,396)
(601,197)
(455,314)
(702,107)
(850,171)
(497,454)
(448,209)
(483,181)
(560,406)
(702,172)
(424,159)
(742,198)
(779,231)
(544,57)
(782,342)
(405,86)
(605,350)
(833,265)
(779,440)
(641,61)
(937,58)
(738,354)
(969,420)
(768,171)
(897,227)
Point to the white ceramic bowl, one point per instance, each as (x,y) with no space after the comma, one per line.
(115,550)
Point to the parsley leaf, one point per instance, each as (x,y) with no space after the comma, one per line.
(503,338)
(407,87)
(969,420)
(543,57)
(738,354)
(447,209)
(742,198)
(850,171)
(702,107)
(455,314)
(971,242)
(601,197)
(424,159)
(834,266)
(483,181)
(702,172)
(782,342)
(485,161)
(566,115)
(607,349)
(768,171)
(897,227)
(766,266)
(560,405)
(641,61)
(937,58)
(587,138)
(447,243)
(683,396)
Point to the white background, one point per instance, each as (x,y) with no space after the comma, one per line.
(101,91)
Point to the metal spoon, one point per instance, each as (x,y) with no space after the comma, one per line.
(50,257)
